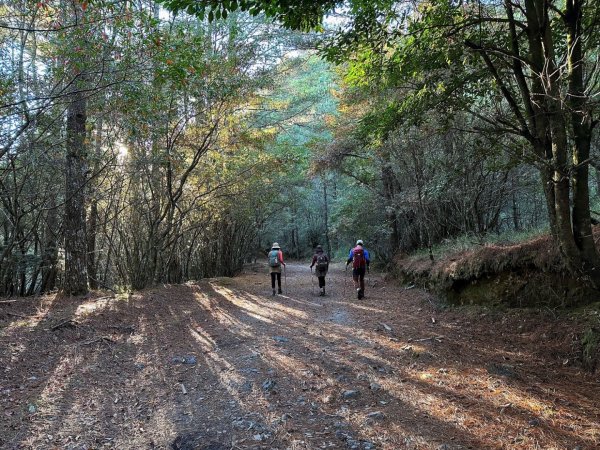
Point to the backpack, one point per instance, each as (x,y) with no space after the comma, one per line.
(358,260)
(274,258)
(322,262)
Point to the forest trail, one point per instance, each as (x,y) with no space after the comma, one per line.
(222,364)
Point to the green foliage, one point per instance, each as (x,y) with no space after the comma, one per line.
(294,109)
(359,215)
(298,14)
(206,142)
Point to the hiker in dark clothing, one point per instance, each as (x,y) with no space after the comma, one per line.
(275,263)
(359,257)
(321,261)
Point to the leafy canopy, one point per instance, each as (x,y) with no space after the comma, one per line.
(293,14)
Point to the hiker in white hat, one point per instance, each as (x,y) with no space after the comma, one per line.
(275,263)
(360,259)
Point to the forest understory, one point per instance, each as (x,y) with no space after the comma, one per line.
(223,364)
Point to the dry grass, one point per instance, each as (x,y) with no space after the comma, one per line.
(518,274)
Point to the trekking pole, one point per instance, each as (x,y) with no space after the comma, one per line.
(345,279)
(285,279)
(312,283)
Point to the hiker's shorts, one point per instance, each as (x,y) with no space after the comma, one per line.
(358,273)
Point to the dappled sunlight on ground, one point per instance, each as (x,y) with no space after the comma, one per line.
(223,317)
(94,306)
(226,363)
(359,307)
(30,321)
(260,306)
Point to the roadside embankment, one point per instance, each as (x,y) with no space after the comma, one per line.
(528,273)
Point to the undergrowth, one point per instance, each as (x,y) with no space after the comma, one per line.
(470,242)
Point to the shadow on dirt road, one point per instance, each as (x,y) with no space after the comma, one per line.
(223,364)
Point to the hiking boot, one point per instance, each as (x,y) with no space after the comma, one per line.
(323,292)
(273,291)
(279,291)
(361,294)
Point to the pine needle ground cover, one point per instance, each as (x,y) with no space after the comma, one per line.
(221,364)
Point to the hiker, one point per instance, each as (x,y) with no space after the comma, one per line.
(275,263)
(359,257)
(321,263)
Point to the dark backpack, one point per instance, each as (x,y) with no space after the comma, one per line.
(322,262)
(274,258)
(358,260)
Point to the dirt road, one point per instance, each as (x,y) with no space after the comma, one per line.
(222,364)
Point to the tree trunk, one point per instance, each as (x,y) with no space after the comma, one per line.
(389,192)
(22,270)
(75,282)
(570,227)
(581,121)
(91,245)
(50,249)
(561,185)
(295,234)
(35,271)
(326,207)
(92,224)
(515,206)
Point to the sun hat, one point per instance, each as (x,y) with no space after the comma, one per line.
(359,242)
(275,245)
(319,247)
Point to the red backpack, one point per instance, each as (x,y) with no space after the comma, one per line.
(358,260)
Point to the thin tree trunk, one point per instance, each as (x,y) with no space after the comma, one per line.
(36,270)
(50,249)
(22,270)
(326,207)
(389,191)
(296,234)
(91,245)
(92,224)
(515,207)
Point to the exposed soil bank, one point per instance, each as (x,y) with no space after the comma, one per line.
(525,274)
